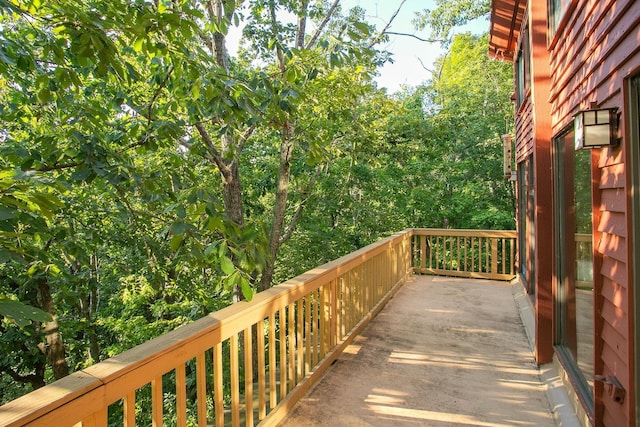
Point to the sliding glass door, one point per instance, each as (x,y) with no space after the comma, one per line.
(574,261)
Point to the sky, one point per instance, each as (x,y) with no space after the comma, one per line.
(408,52)
(412,58)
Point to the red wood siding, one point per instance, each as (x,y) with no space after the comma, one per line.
(524,130)
(597,49)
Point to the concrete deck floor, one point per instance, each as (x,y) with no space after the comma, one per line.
(443,352)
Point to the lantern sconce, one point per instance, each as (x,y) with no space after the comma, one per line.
(596,128)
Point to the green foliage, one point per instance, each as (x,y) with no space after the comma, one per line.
(449,14)
(430,157)
(122,130)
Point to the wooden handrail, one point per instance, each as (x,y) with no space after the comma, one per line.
(480,254)
(322,308)
(254,360)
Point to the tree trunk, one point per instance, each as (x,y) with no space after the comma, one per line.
(279,208)
(55,350)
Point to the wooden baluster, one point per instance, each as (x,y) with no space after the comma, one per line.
(248,375)
(291,345)
(348,306)
(494,256)
(282,319)
(181,396)
(272,361)
(465,268)
(458,252)
(129,409)
(474,253)
(262,390)
(97,419)
(323,322)
(512,261)
(333,317)
(156,402)
(218,391)
(340,312)
(487,258)
(234,380)
(300,325)
(201,384)
(307,335)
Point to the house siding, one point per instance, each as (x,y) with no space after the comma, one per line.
(596,50)
(524,130)
(592,54)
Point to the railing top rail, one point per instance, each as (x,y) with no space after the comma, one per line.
(107,381)
(463,233)
(160,354)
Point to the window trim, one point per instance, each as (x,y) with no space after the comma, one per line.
(523,68)
(633,92)
(555,28)
(575,375)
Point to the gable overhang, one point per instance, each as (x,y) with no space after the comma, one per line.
(506,21)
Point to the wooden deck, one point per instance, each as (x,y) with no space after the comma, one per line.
(443,352)
(289,335)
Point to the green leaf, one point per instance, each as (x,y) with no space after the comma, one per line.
(227,265)
(81,174)
(20,313)
(176,241)
(44,95)
(179,228)
(6,213)
(245,287)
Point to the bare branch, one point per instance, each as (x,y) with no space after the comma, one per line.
(274,34)
(302,24)
(386,27)
(296,216)
(162,85)
(217,158)
(57,167)
(415,37)
(424,66)
(323,24)
(245,137)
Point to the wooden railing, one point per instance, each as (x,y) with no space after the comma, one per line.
(464,253)
(249,363)
(584,261)
(245,364)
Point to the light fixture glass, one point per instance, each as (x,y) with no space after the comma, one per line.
(596,128)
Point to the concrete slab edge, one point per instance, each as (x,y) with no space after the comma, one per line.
(555,391)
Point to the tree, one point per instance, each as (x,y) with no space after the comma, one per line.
(449,14)
(470,98)
(127,135)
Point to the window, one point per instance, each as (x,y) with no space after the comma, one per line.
(523,68)
(634,166)
(526,229)
(574,262)
(557,9)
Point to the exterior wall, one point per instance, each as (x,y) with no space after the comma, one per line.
(593,52)
(543,180)
(524,130)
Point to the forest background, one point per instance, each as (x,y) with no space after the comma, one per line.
(148,178)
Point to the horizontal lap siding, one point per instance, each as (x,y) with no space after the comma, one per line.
(598,48)
(595,52)
(524,130)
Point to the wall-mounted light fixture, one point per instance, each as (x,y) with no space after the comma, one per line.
(596,128)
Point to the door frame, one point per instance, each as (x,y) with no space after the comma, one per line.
(633,120)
